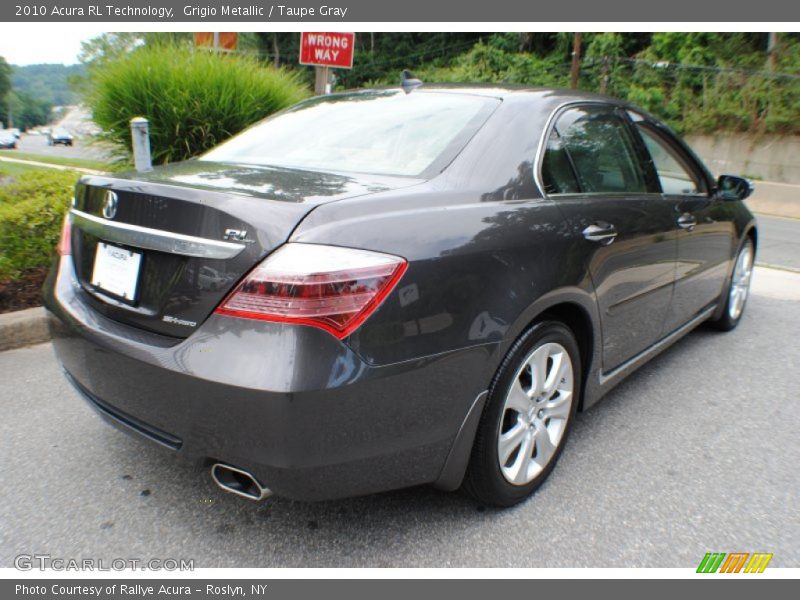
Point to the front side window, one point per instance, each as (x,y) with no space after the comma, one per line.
(602,151)
(675,178)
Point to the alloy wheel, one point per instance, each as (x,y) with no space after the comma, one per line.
(535,413)
(740,282)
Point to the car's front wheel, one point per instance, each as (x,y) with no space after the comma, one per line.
(738,288)
(529,411)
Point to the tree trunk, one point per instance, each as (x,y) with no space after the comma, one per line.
(276,51)
(772,50)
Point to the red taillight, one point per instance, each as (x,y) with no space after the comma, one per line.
(329,287)
(65,243)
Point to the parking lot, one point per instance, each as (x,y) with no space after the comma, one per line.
(696,452)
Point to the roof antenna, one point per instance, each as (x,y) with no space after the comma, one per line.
(408,82)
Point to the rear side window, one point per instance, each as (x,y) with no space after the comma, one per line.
(602,151)
(558,176)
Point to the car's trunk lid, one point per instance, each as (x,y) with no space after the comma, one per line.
(195,229)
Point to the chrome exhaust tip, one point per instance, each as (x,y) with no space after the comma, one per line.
(239,482)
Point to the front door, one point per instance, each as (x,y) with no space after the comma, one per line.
(704,224)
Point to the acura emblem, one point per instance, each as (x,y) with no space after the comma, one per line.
(110,201)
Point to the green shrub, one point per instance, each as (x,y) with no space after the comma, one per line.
(32,210)
(194,99)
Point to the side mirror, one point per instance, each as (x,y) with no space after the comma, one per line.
(731,187)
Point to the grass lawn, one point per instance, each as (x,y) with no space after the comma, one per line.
(58,160)
(8,169)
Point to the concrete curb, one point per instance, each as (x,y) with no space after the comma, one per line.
(23,328)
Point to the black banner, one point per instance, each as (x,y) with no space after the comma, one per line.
(388,589)
(354,11)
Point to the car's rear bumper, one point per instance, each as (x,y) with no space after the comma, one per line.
(291,404)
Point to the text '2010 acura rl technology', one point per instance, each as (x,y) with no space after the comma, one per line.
(380,289)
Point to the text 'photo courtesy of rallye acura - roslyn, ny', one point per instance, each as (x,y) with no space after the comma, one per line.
(385,288)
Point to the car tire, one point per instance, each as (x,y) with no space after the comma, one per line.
(527,418)
(738,288)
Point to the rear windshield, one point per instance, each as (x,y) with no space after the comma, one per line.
(384,133)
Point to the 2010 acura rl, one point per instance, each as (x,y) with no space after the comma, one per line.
(381,289)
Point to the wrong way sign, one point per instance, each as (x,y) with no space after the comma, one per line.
(327,49)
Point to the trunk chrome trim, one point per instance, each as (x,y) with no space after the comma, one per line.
(153,239)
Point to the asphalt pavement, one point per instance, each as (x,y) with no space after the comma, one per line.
(696,452)
(83,148)
(779,242)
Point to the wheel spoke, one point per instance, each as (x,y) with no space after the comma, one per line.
(519,470)
(538,363)
(559,407)
(544,445)
(555,374)
(510,441)
(518,399)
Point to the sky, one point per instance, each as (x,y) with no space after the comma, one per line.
(29,46)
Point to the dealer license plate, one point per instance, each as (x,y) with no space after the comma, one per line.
(116,271)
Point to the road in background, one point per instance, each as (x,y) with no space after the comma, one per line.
(84,148)
(696,452)
(779,242)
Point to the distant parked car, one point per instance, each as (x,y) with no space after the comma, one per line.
(7,140)
(59,136)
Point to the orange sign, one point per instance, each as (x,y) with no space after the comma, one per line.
(225,40)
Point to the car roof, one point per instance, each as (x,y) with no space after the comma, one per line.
(501,91)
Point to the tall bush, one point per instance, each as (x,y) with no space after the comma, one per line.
(194,99)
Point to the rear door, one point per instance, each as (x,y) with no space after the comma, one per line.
(704,225)
(593,168)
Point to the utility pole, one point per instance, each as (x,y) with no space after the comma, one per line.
(575,70)
(772,50)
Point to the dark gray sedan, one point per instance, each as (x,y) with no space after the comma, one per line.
(381,289)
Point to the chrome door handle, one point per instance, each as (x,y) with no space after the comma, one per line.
(687,221)
(601,232)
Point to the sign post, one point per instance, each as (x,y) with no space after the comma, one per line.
(325,50)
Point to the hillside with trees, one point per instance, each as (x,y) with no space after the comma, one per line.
(49,83)
(29,93)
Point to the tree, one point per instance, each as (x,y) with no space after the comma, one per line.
(29,111)
(5,88)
